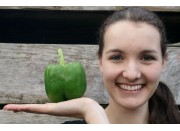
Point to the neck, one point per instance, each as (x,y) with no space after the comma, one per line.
(121,115)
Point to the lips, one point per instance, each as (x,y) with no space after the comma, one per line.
(127,87)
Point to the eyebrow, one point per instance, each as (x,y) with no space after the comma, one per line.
(149,51)
(121,51)
(114,50)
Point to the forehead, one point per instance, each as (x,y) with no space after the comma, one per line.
(131,34)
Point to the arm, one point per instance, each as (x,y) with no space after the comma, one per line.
(85,108)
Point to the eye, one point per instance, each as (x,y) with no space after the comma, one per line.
(116,58)
(148,58)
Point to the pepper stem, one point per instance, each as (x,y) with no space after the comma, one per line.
(61,57)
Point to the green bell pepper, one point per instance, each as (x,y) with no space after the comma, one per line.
(64,81)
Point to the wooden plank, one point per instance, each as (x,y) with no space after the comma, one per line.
(8,117)
(174,45)
(96,8)
(171,72)
(22,67)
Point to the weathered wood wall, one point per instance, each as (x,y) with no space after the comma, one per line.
(8,117)
(22,68)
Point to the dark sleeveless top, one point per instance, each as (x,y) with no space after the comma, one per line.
(75,122)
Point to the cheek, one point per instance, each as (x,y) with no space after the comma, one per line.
(109,76)
(110,72)
(153,74)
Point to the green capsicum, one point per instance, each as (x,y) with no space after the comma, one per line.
(64,81)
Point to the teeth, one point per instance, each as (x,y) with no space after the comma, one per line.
(130,88)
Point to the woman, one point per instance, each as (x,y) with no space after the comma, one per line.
(132,53)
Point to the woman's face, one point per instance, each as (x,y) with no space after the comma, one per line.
(131,63)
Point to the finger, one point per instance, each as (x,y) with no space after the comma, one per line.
(11,107)
(33,108)
(15,107)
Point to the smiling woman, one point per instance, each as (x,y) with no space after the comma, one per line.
(136,44)
(132,54)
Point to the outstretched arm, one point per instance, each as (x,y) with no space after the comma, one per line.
(85,108)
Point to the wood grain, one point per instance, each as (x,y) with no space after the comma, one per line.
(8,117)
(95,8)
(22,69)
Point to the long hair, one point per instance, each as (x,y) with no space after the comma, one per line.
(162,106)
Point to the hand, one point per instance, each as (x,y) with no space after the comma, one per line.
(84,108)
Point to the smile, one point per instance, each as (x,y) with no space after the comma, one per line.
(130,87)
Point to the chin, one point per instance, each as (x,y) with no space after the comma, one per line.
(132,105)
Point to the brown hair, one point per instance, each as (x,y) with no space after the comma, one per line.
(162,107)
(134,14)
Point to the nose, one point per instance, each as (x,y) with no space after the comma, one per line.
(131,72)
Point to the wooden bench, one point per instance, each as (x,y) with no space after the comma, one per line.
(22,81)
